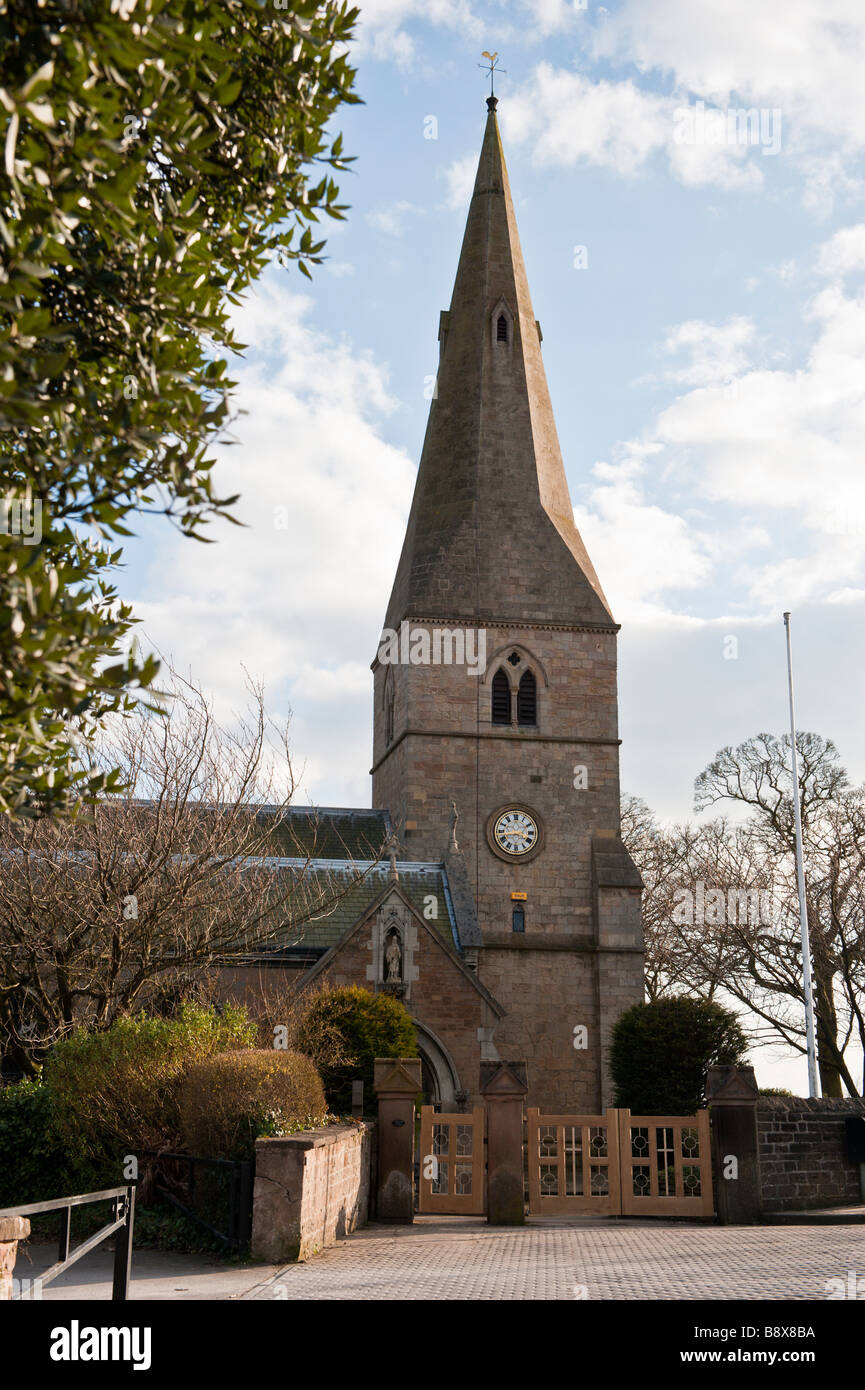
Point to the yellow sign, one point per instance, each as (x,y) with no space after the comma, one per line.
(519,897)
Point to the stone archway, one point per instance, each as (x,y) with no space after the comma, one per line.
(440,1073)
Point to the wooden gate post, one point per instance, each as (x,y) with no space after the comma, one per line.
(397,1082)
(504,1087)
(732,1094)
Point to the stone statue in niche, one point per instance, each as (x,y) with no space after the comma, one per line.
(393,958)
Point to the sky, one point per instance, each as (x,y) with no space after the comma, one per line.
(699,275)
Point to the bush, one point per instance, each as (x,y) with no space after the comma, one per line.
(34,1165)
(116,1092)
(282,1010)
(370,1025)
(229,1100)
(660,1053)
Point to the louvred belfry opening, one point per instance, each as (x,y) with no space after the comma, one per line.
(501,699)
(527,699)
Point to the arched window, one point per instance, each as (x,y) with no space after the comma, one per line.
(527,699)
(502,329)
(501,704)
(518,918)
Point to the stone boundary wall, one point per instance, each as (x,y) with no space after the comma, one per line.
(311,1189)
(12,1229)
(803,1153)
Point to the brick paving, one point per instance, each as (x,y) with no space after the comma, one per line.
(457,1258)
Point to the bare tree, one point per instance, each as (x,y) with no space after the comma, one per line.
(131,897)
(680,954)
(721,910)
(757,775)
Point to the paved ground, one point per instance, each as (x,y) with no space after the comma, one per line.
(440,1258)
(458,1258)
(156,1275)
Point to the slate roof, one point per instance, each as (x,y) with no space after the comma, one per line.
(338,892)
(328,832)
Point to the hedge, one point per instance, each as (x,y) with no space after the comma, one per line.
(227,1101)
(115,1092)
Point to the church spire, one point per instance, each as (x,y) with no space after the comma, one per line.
(491,533)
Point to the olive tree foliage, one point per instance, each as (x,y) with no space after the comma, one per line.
(156,154)
(148,894)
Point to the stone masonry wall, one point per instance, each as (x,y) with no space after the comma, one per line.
(310,1190)
(552,977)
(803,1158)
(442,998)
(547,993)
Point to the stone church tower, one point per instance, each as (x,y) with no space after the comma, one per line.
(509,774)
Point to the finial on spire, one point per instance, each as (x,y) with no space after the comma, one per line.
(492,61)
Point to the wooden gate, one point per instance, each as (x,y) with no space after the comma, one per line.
(573,1163)
(619,1164)
(666,1165)
(451,1162)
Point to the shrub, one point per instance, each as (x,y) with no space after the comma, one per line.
(227,1101)
(282,1010)
(34,1165)
(116,1091)
(660,1052)
(370,1025)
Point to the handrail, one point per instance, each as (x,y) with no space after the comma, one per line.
(124,1216)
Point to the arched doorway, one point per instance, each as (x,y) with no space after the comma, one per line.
(440,1077)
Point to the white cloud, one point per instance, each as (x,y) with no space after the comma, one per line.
(843,252)
(717,351)
(827,177)
(460,179)
(754,458)
(299,593)
(806,59)
(381,31)
(641,550)
(567,118)
(785,271)
(552,16)
(392,220)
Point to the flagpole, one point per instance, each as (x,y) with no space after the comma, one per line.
(813,1075)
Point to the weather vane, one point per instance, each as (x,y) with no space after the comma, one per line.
(493,68)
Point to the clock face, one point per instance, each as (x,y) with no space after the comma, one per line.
(515,832)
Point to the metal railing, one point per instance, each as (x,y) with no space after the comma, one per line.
(121,1225)
(239,1194)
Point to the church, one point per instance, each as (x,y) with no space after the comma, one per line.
(506,911)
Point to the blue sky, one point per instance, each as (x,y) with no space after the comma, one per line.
(705,368)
